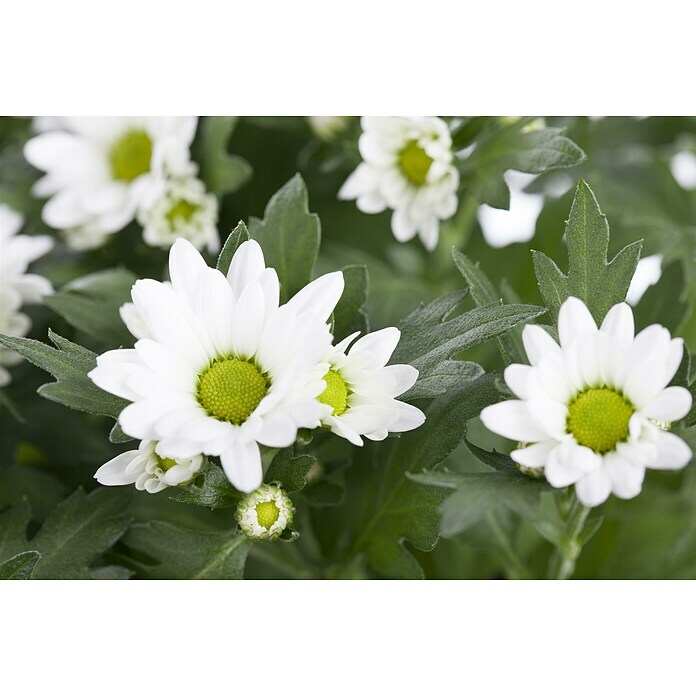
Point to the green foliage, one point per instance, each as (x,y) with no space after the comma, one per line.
(519,148)
(290,471)
(664,303)
(91,304)
(209,489)
(19,567)
(188,554)
(236,238)
(349,315)
(600,285)
(289,235)
(69,363)
(72,538)
(221,171)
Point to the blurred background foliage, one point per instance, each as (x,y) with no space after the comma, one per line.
(47,451)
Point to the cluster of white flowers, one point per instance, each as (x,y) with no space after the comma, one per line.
(102,173)
(595,411)
(17,287)
(407,167)
(220,367)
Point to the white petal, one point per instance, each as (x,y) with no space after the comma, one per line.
(404,377)
(185,267)
(626,476)
(593,488)
(246,267)
(670,405)
(402,226)
(534,456)
(673,452)
(113,473)
(242,466)
(378,346)
(279,430)
(619,324)
(410,418)
(568,463)
(320,297)
(248,320)
(512,419)
(517,378)
(538,344)
(574,321)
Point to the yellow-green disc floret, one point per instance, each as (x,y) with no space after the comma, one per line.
(131,155)
(415,163)
(336,393)
(267,513)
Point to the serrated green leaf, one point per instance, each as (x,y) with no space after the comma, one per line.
(429,336)
(19,567)
(395,509)
(188,554)
(598,283)
(348,316)
(222,172)
(476,494)
(69,363)
(290,470)
(73,536)
(663,302)
(289,235)
(441,378)
(91,304)
(498,151)
(209,489)
(236,238)
(496,460)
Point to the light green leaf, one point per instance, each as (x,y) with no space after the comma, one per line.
(600,285)
(663,302)
(74,535)
(19,567)
(289,235)
(209,489)
(441,378)
(394,509)
(290,470)
(349,315)
(222,172)
(236,238)
(514,147)
(69,363)
(188,554)
(91,304)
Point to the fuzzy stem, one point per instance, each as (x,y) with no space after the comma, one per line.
(562,565)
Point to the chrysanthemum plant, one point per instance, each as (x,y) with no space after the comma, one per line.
(249,392)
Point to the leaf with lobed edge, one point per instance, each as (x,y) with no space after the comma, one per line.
(598,283)
(209,489)
(236,238)
(290,471)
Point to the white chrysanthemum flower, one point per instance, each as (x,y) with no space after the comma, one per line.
(101,171)
(327,127)
(595,410)
(148,471)
(407,167)
(17,287)
(184,210)
(226,368)
(362,392)
(265,513)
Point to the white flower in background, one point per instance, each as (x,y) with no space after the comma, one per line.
(185,209)
(265,513)
(362,392)
(147,470)
(226,368)
(595,411)
(408,167)
(101,171)
(17,287)
(683,168)
(648,272)
(327,127)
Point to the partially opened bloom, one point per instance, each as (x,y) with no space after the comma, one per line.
(408,168)
(100,171)
(361,389)
(17,287)
(595,410)
(222,367)
(148,471)
(185,209)
(265,513)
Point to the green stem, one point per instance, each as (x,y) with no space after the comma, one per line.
(515,563)
(562,565)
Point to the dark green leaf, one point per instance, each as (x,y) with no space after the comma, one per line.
(663,302)
(496,460)
(447,374)
(289,235)
(209,489)
(117,436)
(600,285)
(188,554)
(69,363)
(19,567)
(290,471)
(91,304)
(348,317)
(236,238)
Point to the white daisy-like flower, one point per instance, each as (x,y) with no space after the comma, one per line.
(265,513)
(226,368)
(327,127)
(148,471)
(184,210)
(17,287)
(595,410)
(361,389)
(100,171)
(408,167)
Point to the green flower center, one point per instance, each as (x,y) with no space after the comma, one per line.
(166,464)
(598,419)
(131,155)
(336,393)
(181,209)
(230,389)
(415,163)
(267,513)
